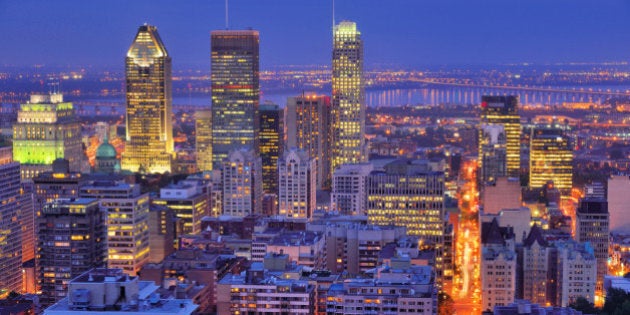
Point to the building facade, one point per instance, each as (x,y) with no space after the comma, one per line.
(149,147)
(297,175)
(550,159)
(503,111)
(349,189)
(498,266)
(11,208)
(592,226)
(203,139)
(271,136)
(242,184)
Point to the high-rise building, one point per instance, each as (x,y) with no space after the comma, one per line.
(271,135)
(503,111)
(149,146)
(308,128)
(71,240)
(10,230)
(127,212)
(203,139)
(46,130)
(498,265)
(550,159)
(349,189)
(297,185)
(492,153)
(235,91)
(348,96)
(161,233)
(592,226)
(189,200)
(242,184)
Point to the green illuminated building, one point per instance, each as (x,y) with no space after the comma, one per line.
(348,101)
(46,129)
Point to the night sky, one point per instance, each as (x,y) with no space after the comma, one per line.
(396,32)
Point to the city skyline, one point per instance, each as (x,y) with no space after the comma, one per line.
(424,33)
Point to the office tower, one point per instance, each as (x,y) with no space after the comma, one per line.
(27,220)
(349,189)
(71,240)
(10,230)
(203,139)
(503,111)
(46,130)
(242,184)
(308,128)
(498,265)
(618,198)
(408,194)
(235,92)
(106,158)
(492,153)
(161,233)
(127,213)
(189,201)
(550,159)
(592,226)
(348,96)
(271,136)
(58,183)
(149,146)
(297,185)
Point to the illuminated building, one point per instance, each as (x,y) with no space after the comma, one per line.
(550,159)
(271,135)
(408,194)
(349,188)
(127,212)
(242,184)
(10,228)
(106,158)
(189,201)
(592,226)
(203,139)
(71,240)
(235,92)
(46,130)
(348,96)
(498,265)
(149,146)
(297,186)
(503,111)
(492,153)
(308,128)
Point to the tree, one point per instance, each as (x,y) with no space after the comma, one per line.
(583,305)
(446,305)
(615,299)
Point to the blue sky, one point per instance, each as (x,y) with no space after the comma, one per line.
(399,32)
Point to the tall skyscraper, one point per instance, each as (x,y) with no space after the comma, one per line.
(348,96)
(550,159)
(71,240)
(308,128)
(10,231)
(235,91)
(271,145)
(592,226)
(46,130)
(297,173)
(203,139)
(503,111)
(149,146)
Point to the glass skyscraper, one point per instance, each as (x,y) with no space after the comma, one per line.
(348,102)
(503,111)
(271,135)
(235,92)
(149,147)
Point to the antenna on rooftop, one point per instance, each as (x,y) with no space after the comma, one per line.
(333,14)
(226,15)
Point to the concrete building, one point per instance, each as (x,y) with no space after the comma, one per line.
(498,265)
(71,240)
(308,128)
(349,189)
(411,290)
(11,208)
(242,184)
(619,202)
(203,139)
(161,233)
(297,174)
(127,212)
(592,226)
(305,248)
(189,200)
(111,292)
(503,193)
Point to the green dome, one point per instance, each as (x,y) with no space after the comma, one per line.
(105,150)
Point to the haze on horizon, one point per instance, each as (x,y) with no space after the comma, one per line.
(396,32)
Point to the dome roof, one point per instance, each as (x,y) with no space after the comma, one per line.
(105,150)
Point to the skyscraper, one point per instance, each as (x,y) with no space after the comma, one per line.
(348,99)
(271,145)
(550,159)
(242,187)
(235,91)
(307,121)
(503,111)
(592,226)
(149,146)
(10,231)
(297,185)
(493,153)
(203,139)
(47,129)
